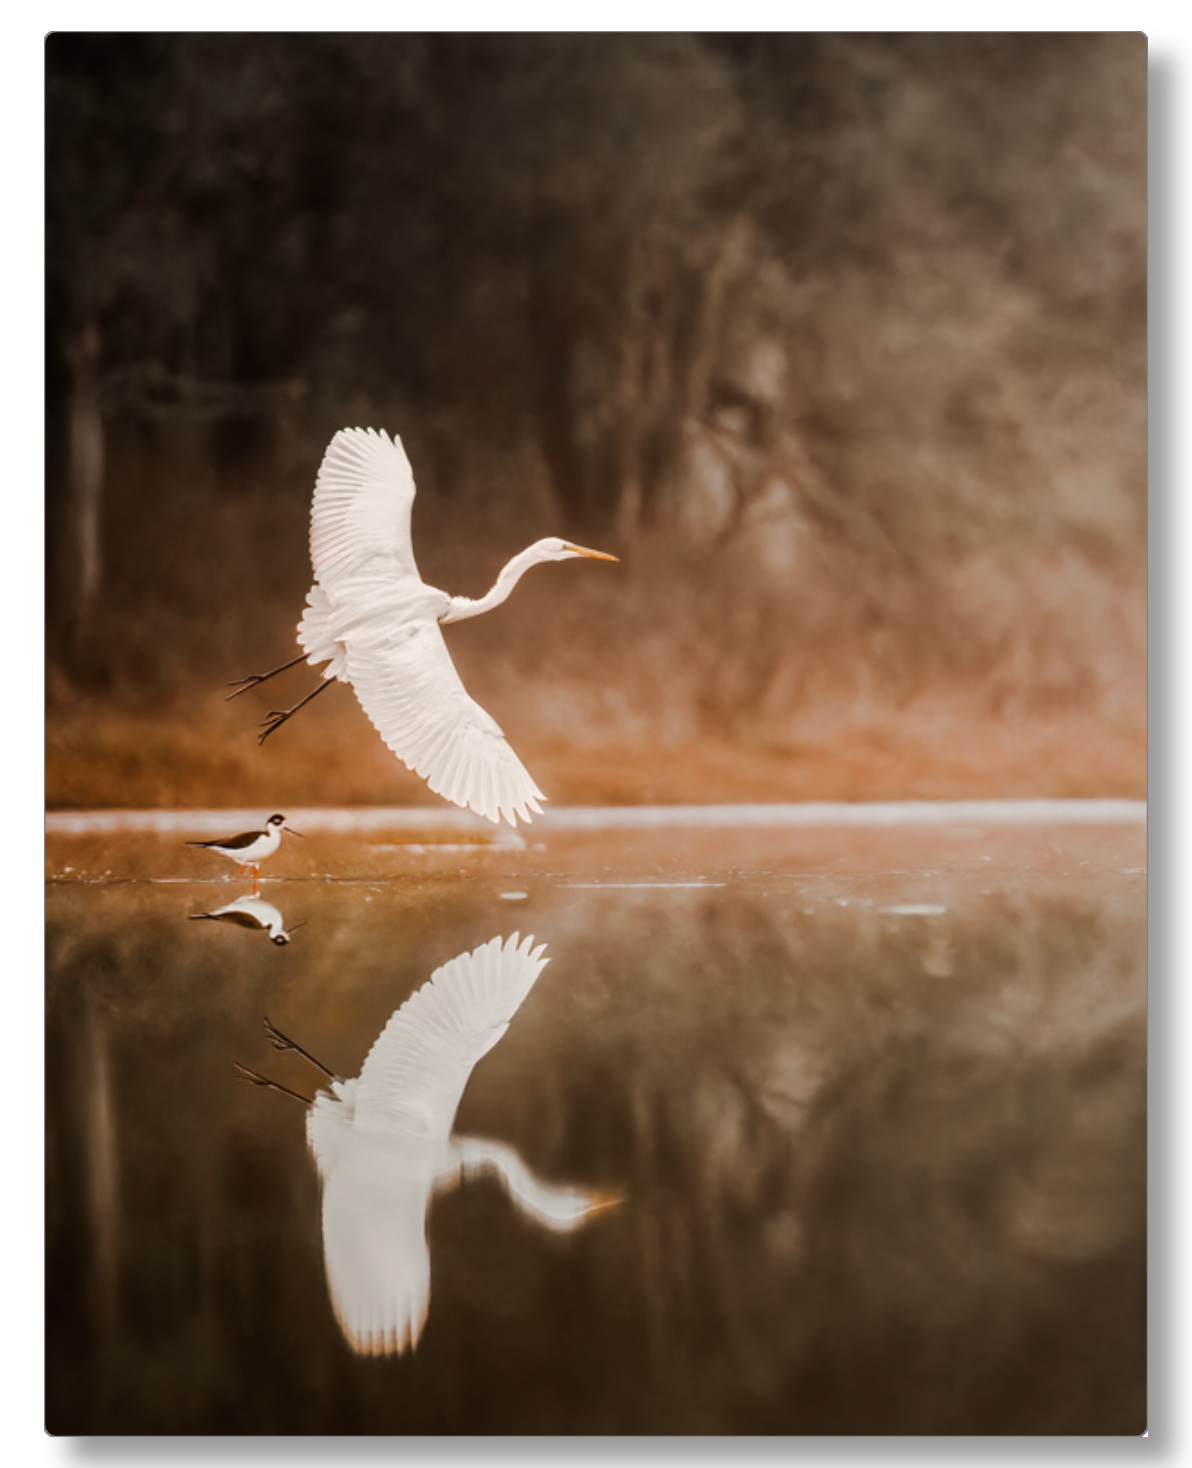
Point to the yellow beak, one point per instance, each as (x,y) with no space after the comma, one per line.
(580,550)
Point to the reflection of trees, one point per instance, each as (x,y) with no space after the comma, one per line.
(866,310)
(891,1199)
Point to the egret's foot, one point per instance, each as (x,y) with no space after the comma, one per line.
(278,716)
(242,685)
(255,1078)
(274,722)
(279,1041)
(282,1043)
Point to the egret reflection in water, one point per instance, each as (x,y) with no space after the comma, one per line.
(255,914)
(383,1147)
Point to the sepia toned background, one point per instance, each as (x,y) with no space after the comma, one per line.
(838,341)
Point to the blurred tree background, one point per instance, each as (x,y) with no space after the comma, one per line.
(839,341)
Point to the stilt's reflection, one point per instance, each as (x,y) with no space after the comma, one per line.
(383,1145)
(253,913)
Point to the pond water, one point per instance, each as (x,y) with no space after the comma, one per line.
(831,1129)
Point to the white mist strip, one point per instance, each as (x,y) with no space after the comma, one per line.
(843,813)
(347,822)
(613,818)
(591,886)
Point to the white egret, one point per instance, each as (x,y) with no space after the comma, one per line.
(376,625)
(253,913)
(250,848)
(383,1147)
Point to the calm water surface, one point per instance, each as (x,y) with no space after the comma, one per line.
(871,1104)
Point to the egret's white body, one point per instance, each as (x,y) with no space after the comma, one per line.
(254,913)
(250,848)
(382,1144)
(376,625)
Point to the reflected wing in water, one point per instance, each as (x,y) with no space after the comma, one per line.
(375,1250)
(415,1074)
(382,1141)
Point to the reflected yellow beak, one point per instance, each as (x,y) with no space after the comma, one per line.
(599,1201)
(580,550)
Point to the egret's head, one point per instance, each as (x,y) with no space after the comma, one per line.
(554,549)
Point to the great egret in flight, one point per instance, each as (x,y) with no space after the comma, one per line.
(375,623)
(383,1147)
(250,848)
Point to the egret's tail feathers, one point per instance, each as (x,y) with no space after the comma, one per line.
(314,634)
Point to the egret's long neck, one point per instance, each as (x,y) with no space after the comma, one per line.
(556,1207)
(511,574)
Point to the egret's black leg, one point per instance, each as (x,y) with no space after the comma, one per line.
(256,1079)
(254,678)
(278,717)
(283,1043)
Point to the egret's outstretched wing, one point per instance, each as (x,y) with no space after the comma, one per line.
(415,1074)
(360,517)
(408,686)
(375,1249)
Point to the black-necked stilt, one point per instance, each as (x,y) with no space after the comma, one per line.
(255,913)
(382,1143)
(375,623)
(250,848)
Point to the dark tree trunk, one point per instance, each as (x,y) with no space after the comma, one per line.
(85,468)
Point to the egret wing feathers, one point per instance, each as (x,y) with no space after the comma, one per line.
(416,1071)
(376,1253)
(374,624)
(378,1173)
(361,512)
(409,688)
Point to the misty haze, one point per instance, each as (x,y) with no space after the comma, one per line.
(783,1070)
